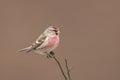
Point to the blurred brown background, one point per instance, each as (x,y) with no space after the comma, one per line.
(90,38)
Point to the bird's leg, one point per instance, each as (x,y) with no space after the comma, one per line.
(50,55)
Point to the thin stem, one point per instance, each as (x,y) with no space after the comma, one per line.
(68,70)
(60,67)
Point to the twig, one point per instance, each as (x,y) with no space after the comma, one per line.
(68,70)
(61,69)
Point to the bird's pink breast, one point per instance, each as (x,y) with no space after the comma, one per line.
(52,41)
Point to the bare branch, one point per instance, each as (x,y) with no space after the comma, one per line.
(68,69)
(61,69)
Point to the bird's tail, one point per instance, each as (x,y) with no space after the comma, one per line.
(27,49)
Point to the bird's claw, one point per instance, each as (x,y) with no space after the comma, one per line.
(50,55)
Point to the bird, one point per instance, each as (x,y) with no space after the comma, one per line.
(45,43)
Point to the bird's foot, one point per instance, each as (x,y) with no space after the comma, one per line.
(50,55)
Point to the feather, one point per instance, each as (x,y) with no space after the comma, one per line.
(34,45)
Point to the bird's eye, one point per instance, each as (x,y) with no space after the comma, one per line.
(55,30)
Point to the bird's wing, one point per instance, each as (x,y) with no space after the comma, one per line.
(35,45)
(38,43)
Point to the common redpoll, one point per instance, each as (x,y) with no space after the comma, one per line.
(46,42)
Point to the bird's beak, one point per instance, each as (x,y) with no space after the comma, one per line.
(58,32)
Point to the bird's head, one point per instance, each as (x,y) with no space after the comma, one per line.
(53,30)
